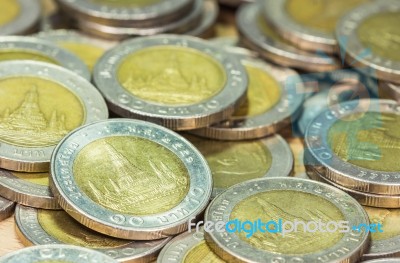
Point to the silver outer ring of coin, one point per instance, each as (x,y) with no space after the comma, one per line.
(205,27)
(334,168)
(31,44)
(26,193)
(67,253)
(37,159)
(269,122)
(304,37)
(278,52)
(215,109)
(392,89)
(230,247)
(282,160)
(29,227)
(346,32)
(27,18)
(383,260)
(105,221)
(6,208)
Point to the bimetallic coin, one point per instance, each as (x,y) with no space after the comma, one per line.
(370,36)
(179,82)
(44,227)
(39,104)
(258,35)
(236,162)
(56,254)
(6,208)
(205,27)
(130,179)
(18,17)
(288,199)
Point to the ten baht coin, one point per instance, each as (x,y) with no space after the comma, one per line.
(56,254)
(44,227)
(130,179)
(277,202)
(179,82)
(6,208)
(39,104)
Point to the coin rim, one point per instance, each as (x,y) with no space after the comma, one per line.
(6,208)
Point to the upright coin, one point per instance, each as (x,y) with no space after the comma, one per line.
(130,179)
(44,227)
(280,201)
(39,104)
(30,48)
(6,208)
(370,36)
(177,81)
(18,17)
(56,253)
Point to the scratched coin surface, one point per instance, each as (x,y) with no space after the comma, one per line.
(18,17)
(31,48)
(179,82)
(370,37)
(287,199)
(130,179)
(56,254)
(43,227)
(6,208)
(39,104)
(236,162)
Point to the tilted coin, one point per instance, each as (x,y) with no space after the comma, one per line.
(287,199)
(309,25)
(18,17)
(384,260)
(236,162)
(355,144)
(205,27)
(39,104)
(130,179)
(370,37)
(31,48)
(6,208)
(179,82)
(258,35)
(44,227)
(56,254)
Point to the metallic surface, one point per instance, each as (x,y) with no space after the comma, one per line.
(22,21)
(6,208)
(205,27)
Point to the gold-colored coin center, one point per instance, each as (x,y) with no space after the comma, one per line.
(126,3)
(389,220)
(131,175)
(35,178)
(201,253)
(171,75)
(16,54)
(89,54)
(9,10)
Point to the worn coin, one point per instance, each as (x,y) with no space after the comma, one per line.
(287,199)
(44,227)
(39,104)
(130,179)
(179,82)
(6,208)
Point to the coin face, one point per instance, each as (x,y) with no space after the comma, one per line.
(18,16)
(120,181)
(287,199)
(6,208)
(40,104)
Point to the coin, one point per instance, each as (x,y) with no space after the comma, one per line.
(188,247)
(6,208)
(39,104)
(130,179)
(287,199)
(179,82)
(44,227)
(309,25)
(18,17)
(57,254)
(205,27)
(354,144)
(236,162)
(369,36)
(258,35)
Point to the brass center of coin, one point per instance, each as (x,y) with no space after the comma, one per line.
(370,141)
(388,218)
(234,162)
(263,93)
(64,228)
(171,75)
(89,54)
(9,11)
(131,175)
(35,178)
(381,33)
(126,3)
(289,205)
(321,15)
(25,55)
(201,253)
(36,112)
